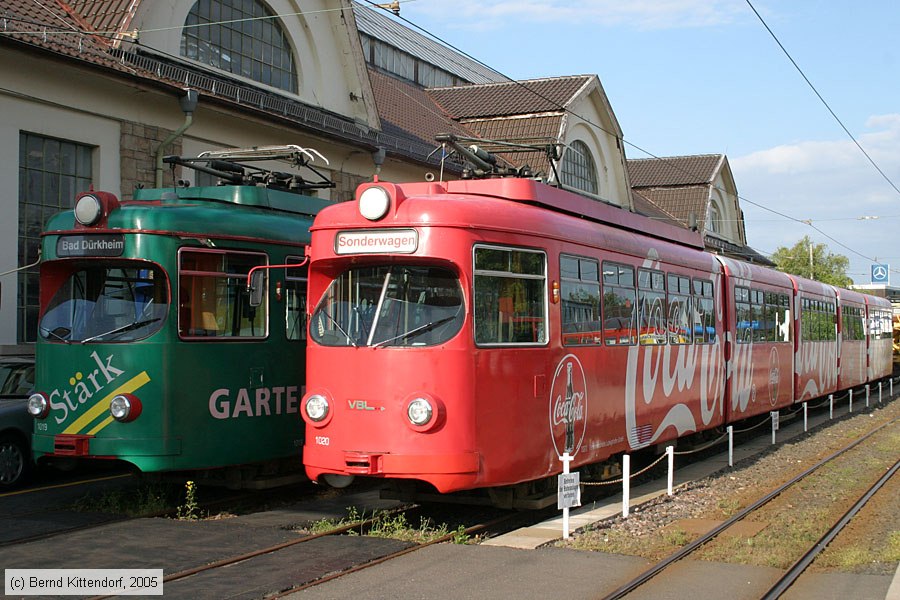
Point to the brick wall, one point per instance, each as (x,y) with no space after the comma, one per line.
(138,147)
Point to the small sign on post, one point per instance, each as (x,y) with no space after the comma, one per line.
(568,491)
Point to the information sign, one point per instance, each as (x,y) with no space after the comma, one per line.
(569,490)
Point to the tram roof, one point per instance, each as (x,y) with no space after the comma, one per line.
(529,191)
(245,195)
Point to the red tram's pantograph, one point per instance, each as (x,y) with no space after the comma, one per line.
(468,333)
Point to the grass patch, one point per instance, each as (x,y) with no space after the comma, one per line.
(138,501)
(390,525)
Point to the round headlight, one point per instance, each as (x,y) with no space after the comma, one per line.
(419,411)
(316,407)
(88,210)
(124,408)
(38,406)
(374,203)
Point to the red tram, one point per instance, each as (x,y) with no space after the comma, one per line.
(468,333)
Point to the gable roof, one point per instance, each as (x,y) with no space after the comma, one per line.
(531,96)
(674,170)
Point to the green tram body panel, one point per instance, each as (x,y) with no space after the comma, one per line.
(206,402)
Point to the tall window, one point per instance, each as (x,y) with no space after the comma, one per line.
(242,37)
(580,283)
(578,170)
(713,218)
(51,173)
(510,290)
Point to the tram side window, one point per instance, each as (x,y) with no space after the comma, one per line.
(580,301)
(758,315)
(295,300)
(510,294)
(679,310)
(619,306)
(704,312)
(651,304)
(777,317)
(852,328)
(742,315)
(212,298)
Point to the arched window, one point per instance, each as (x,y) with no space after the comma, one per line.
(578,169)
(242,37)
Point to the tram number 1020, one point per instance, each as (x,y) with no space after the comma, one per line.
(323,440)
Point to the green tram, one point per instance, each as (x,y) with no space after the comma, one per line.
(148,349)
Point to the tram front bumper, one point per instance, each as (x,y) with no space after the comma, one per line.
(445,471)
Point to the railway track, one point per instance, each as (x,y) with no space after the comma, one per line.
(806,559)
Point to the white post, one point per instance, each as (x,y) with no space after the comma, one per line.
(879,392)
(774,416)
(626,475)
(830,406)
(670,450)
(731,445)
(566,459)
(805,428)
(867,395)
(851,400)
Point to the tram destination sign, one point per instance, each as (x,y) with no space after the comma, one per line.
(90,245)
(382,241)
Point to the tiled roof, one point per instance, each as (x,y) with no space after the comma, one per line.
(49,26)
(674,170)
(645,206)
(508,99)
(377,24)
(681,202)
(409,109)
(107,17)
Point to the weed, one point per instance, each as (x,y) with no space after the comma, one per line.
(190,510)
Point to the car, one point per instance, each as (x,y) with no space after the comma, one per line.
(16,425)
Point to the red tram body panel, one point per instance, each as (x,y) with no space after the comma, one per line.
(468,334)
(760,335)
(853,342)
(816,350)
(879,337)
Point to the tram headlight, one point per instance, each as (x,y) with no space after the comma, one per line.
(88,209)
(316,408)
(125,408)
(374,203)
(38,406)
(419,411)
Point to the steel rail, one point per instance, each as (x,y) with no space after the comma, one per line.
(800,566)
(688,549)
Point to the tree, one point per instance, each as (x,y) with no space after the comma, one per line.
(821,265)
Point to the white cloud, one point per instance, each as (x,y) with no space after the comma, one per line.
(831,183)
(636,14)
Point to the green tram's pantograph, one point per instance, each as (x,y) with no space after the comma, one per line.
(148,349)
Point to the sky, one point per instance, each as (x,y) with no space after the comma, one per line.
(706,77)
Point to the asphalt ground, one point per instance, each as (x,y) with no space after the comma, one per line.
(516,565)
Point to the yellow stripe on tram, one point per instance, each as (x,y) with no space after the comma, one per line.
(97,409)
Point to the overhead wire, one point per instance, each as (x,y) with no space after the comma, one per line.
(523,84)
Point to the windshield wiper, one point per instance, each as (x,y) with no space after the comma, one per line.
(341,329)
(416,331)
(52,332)
(121,329)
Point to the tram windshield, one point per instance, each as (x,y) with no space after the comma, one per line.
(389,306)
(106,303)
